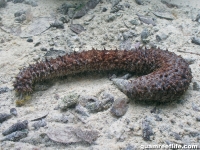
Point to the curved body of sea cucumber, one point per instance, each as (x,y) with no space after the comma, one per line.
(166,76)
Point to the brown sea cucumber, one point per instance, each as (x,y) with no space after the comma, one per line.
(166,76)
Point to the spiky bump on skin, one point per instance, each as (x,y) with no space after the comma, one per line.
(166,75)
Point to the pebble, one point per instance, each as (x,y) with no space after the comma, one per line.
(139,2)
(198,18)
(19,13)
(145,34)
(3,3)
(161,36)
(16,136)
(104,9)
(57,25)
(33,3)
(128,34)
(114,2)
(29,40)
(196,86)
(13,111)
(195,107)
(146,20)
(110,18)
(147,131)
(164,15)
(21,18)
(43,49)
(134,22)
(158,118)
(4,117)
(68,101)
(64,19)
(198,119)
(175,135)
(16,127)
(4,90)
(40,123)
(81,110)
(116,8)
(119,107)
(18,1)
(196,40)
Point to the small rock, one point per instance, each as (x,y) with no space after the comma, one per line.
(146,20)
(128,34)
(77,28)
(13,111)
(87,135)
(117,8)
(16,127)
(126,45)
(58,25)
(18,1)
(198,18)
(43,49)
(119,107)
(81,110)
(33,3)
(145,34)
(176,136)
(135,22)
(4,90)
(147,131)
(69,101)
(110,18)
(196,86)
(71,12)
(164,15)
(16,136)
(21,18)
(4,117)
(169,4)
(161,37)
(158,118)
(196,40)
(37,44)
(104,9)
(114,2)
(195,107)
(139,2)
(19,13)
(3,3)
(29,40)
(64,19)
(198,119)
(40,123)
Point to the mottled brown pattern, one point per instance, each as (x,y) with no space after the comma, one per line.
(166,76)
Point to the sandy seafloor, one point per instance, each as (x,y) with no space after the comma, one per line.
(179,123)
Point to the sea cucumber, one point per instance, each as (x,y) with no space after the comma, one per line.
(166,76)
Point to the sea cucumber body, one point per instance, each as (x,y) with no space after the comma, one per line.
(166,76)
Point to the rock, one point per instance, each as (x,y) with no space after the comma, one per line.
(158,118)
(77,28)
(110,18)
(64,19)
(57,24)
(68,101)
(198,119)
(81,110)
(128,34)
(126,45)
(161,37)
(198,18)
(175,135)
(147,131)
(18,1)
(130,147)
(69,135)
(13,111)
(195,107)
(40,123)
(3,3)
(52,53)
(19,13)
(145,34)
(146,20)
(196,40)
(16,136)
(4,90)
(164,15)
(117,8)
(91,4)
(135,22)
(4,117)
(119,107)
(196,86)
(16,127)
(33,3)
(114,2)
(169,4)
(29,40)
(139,2)
(104,9)
(71,12)
(87,135)
(21,18)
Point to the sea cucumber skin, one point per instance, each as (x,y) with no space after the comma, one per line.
(166,76)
